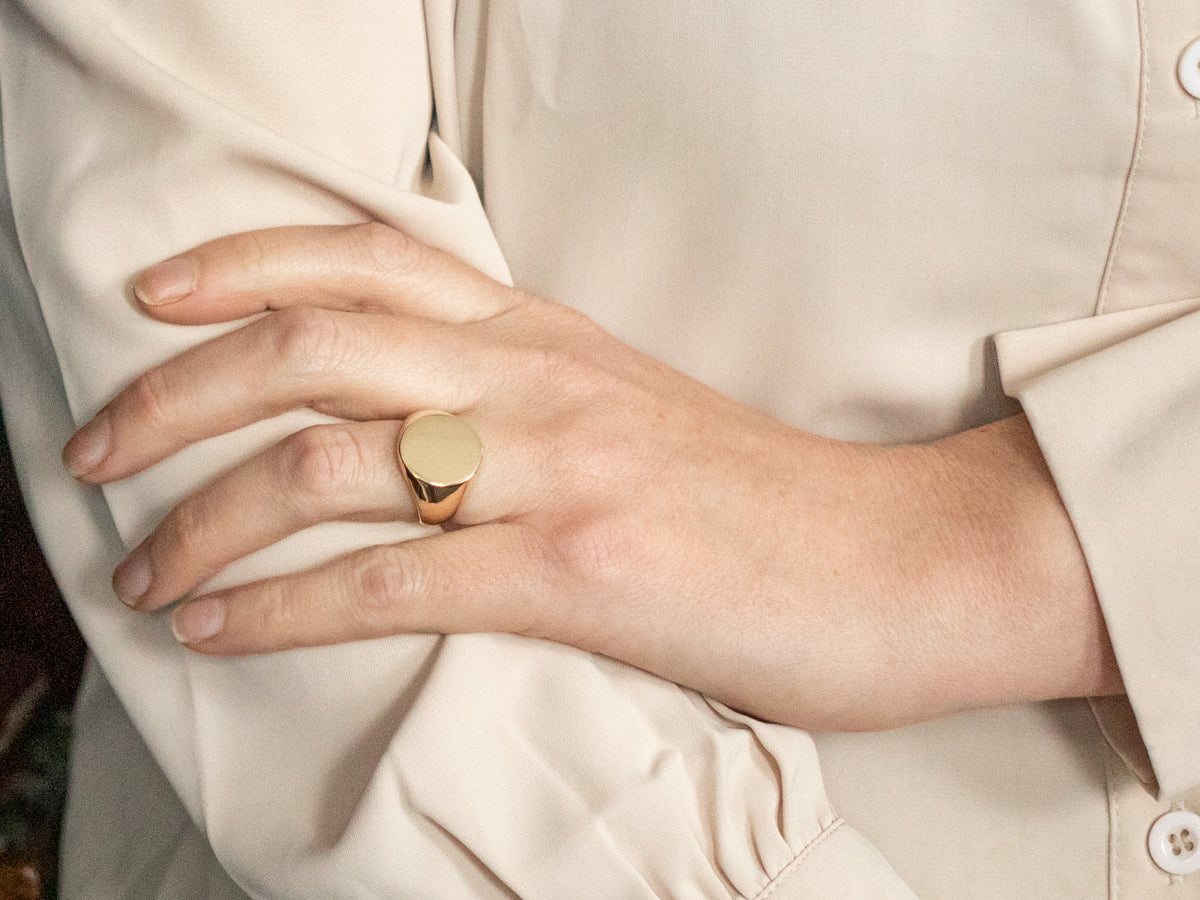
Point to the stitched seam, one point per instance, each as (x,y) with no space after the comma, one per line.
(1110,786)
(1138,141)
(799,858)
(1173,880)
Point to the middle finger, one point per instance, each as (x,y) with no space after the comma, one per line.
(351,365)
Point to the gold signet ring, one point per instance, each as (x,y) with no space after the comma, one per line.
(438,454)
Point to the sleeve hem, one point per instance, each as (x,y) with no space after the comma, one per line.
(1111,401)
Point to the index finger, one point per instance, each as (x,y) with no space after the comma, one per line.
(363,267)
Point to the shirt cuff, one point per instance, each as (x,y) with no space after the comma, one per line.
(1114,401)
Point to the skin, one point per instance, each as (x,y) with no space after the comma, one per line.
(621,507)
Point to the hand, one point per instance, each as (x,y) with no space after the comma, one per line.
(621,506)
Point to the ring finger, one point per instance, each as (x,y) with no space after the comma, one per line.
(347,471)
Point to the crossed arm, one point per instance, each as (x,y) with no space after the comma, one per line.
(622,507)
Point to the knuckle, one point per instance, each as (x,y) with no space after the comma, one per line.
(598,552)
(307,340)
(570,368)
(563,325)
(545,364)
(187,529)
(572,321)
(550,615)
(254,251)
(384,250)
(557,367)
(151,393)
(280,619)
(324,462)
(384,583)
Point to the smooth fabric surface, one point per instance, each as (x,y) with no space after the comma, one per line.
(827,211)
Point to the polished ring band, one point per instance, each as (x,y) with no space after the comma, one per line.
(438,454)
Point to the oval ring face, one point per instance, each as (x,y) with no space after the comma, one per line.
(440,449)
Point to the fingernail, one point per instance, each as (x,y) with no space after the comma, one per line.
(131,580)
(168,281)
(199,620)
(88,447)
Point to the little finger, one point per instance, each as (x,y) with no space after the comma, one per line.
(486,578)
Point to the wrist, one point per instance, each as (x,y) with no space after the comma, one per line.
(1041,630)
(995,593)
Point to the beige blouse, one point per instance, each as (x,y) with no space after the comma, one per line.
(872,218)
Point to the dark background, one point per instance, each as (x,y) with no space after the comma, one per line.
(41,657)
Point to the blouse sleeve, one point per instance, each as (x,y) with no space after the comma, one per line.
(416,766)
(1115,403)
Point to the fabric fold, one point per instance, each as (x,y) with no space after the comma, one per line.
(1121,450)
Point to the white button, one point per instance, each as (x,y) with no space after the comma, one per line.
(1189,68)
(1174,842)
